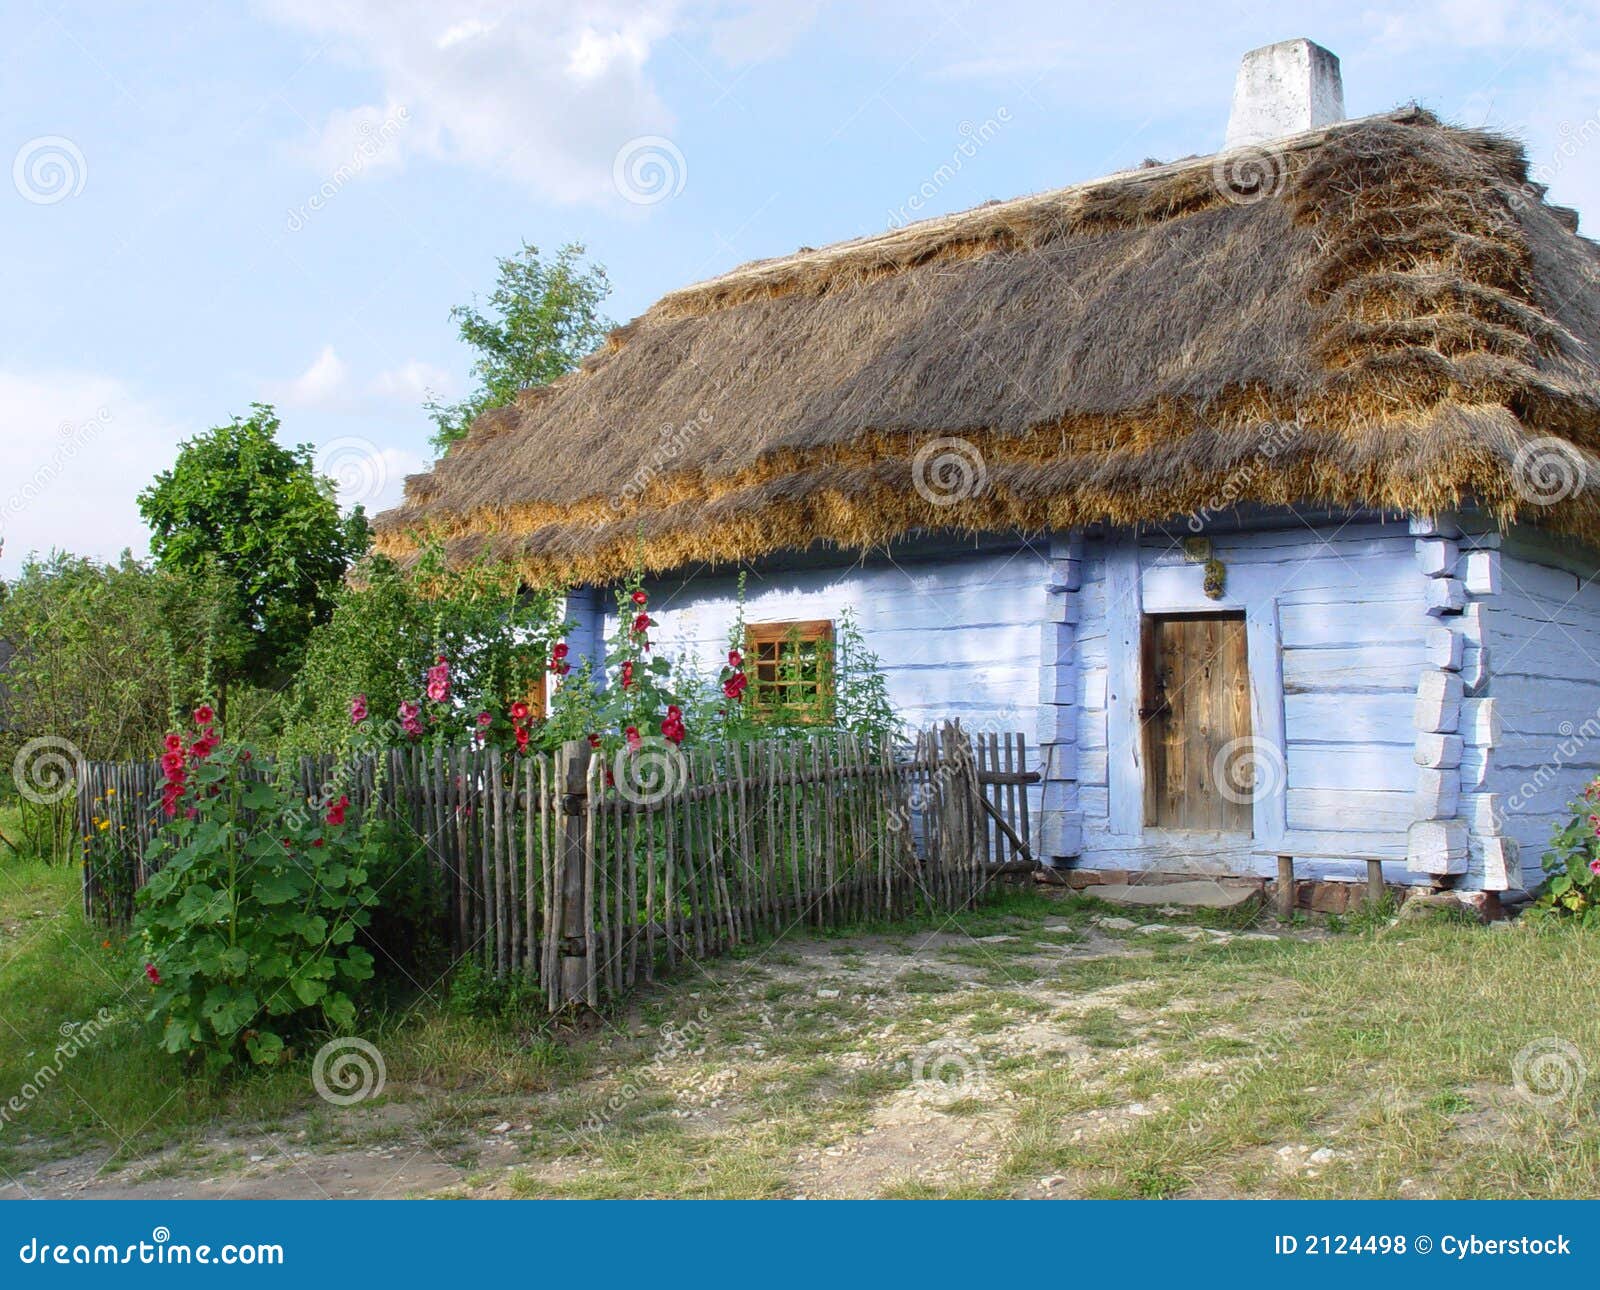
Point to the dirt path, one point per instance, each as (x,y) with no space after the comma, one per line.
(858,1066)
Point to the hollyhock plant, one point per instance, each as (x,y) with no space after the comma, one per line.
(1571,888)
(439,680)
(252,909)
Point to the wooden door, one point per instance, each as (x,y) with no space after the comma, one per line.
(1199,761)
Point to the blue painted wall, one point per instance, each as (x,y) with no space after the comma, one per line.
(956,628)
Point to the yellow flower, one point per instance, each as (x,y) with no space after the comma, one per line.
(102,825)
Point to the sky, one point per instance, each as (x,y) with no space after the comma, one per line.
(217,204)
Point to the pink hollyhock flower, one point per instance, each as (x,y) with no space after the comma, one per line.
(1594,866)
(203,715)
(484,721)
(631,734)
(172,764)
(358,709)
(174,743)
(439,681)
(150,971)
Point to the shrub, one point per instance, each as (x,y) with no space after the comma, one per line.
(1571,888)
(249,926)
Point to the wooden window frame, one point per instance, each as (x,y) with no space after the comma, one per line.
(765,695)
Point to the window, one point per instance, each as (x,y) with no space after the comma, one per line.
(790,666)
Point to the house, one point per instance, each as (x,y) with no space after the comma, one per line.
(1262,486)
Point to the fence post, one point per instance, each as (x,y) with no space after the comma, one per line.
(572,774)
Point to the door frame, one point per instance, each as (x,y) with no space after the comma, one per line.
(1132,591)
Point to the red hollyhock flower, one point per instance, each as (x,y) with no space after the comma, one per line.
(642,623)
(640,598)
(150,971)
(735,685)
(627,674)
(520,711)
(559,651)
(484,721)
(337,810)
(174,743)
(594,741)
(172,765)
(631,734)
(735,659)
(522,739)
(203,715)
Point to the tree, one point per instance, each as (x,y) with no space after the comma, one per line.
(240,506)
(543,319)
(94,661)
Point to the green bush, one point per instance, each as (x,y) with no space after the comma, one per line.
(249,927)
(1571,888)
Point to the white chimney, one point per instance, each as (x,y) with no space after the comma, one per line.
(1284,89)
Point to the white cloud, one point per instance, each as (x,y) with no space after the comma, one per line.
(413,382)
(544,92)
(322,385)
(78,448)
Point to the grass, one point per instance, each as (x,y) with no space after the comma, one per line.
(1168,1068)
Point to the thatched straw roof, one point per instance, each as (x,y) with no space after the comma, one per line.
(1381,313)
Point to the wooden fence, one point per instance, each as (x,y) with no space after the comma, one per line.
(587,874)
